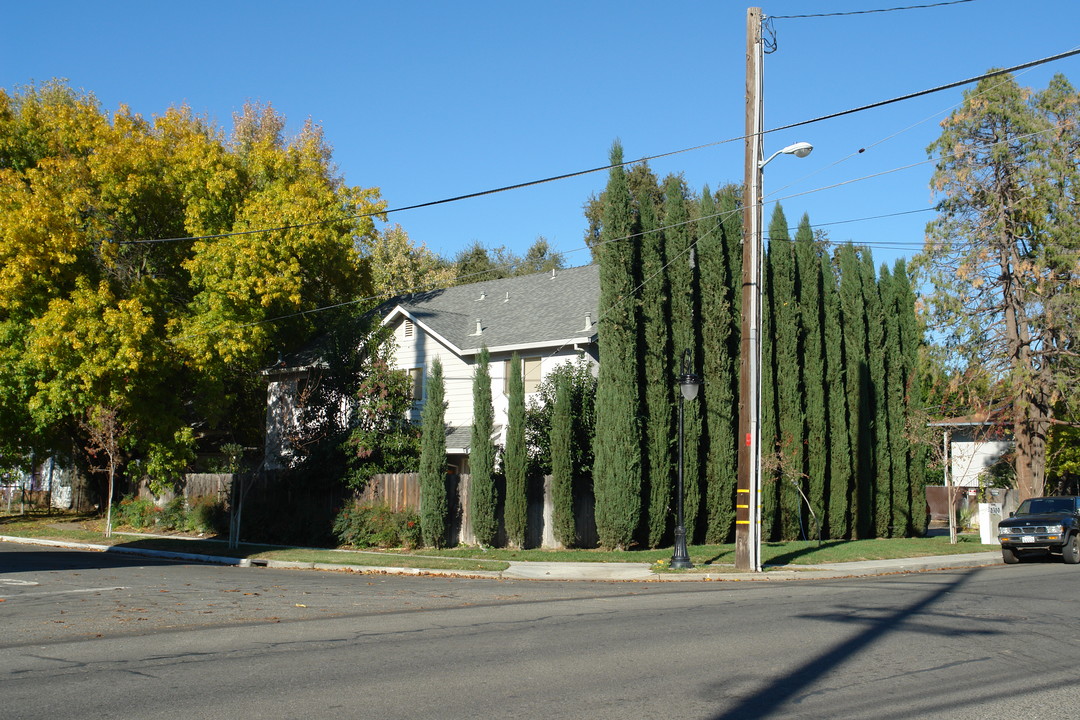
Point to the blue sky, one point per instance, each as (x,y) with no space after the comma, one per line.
(428,100)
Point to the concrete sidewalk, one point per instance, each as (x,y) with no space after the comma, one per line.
(590,571)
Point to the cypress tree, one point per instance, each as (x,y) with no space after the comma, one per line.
(433,502)
(720,359)
(617,478)
(853,319)
(899,502)
(879,476)
(657,367)
(808,261)
(910,341)
(482,497)
(837,515)
(682,270)
(787,447)
(562,465)
(515,460)
(769,429)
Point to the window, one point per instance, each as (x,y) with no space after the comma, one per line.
(416,394)
(530,371)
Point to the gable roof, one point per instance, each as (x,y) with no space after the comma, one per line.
(518,313)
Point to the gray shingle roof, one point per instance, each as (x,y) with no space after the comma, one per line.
(540,309)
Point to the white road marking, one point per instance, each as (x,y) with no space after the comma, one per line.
(63,592)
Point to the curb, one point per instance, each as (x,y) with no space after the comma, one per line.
(594,572)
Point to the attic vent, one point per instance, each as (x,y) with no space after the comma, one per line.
(479,328)
(588,321)
(409,327)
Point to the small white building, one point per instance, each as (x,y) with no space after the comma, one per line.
(973,444)
(547,319)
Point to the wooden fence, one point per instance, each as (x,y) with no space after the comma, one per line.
(401,491)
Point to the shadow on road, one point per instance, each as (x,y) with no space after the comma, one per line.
(770,699)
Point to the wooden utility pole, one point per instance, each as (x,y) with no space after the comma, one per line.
(748,493)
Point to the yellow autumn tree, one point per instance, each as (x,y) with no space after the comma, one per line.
(154,265)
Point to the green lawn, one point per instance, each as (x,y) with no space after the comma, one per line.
(705,557)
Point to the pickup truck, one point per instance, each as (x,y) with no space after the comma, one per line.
(1040,526)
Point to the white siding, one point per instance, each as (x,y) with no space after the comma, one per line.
(420,349)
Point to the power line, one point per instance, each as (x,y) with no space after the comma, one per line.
(579,173)
(868,12)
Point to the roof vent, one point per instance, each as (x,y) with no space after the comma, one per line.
(482,296)
(588,321)
(479,327)
(507,298)
(552,273)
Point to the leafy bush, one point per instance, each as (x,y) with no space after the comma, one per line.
(366,525)
(203,515)
(135,512)
(206,515)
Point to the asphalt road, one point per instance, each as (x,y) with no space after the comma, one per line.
(90,635)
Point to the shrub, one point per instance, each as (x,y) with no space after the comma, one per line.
(135,512)
(367,525)
(206,515)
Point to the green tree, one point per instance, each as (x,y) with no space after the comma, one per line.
(433,501)
(811,308)
(681,256)
(857,387)
(562,463)
(656,367)
(482,496)
(515,460)
(618,468)
(1001,254)
(782,438)
(94,312)
(719,243)
(382,438)
(837,521)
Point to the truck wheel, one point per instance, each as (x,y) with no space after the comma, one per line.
(1070,553)
(1009,556)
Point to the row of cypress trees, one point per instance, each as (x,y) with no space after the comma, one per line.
(839,357)
(840,347)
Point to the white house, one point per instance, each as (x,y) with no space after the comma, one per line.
(547,319)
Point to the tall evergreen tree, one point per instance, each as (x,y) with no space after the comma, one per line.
(879,462)
(515,459)
(856,385)
(618,464)
(482,496)
(785,448)
(808,261)
(685,335)
(562,463)
(433,502)
(657,369)
(911,341)
(720,335)
(895,386)
(838,517)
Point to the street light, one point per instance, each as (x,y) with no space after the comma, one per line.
(748,492)
(799,150)
(688,390)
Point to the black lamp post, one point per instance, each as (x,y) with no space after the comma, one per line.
(688,387)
